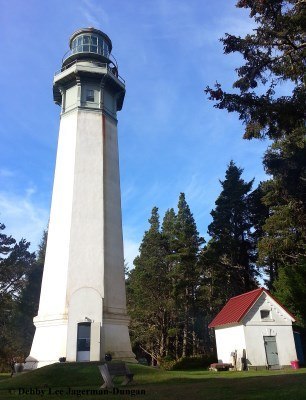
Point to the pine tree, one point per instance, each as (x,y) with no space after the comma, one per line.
(169,233)
(15,264)
(290,289)
(230,254)
(26,307)
(6,242)
(275,53)
(163,286)
(187,272)
(148,293)
(169,229)
(259,213)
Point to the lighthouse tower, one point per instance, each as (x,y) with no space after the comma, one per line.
(82,310)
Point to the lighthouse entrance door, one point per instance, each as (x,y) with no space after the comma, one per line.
(83,342)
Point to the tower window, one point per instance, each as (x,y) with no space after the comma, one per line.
(90,95)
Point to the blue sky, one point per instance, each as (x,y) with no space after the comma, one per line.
(171,139)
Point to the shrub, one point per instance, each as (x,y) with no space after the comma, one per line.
(197,362)
(167,363)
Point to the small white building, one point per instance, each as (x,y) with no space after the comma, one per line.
(256,326)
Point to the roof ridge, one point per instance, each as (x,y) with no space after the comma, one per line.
(261,289)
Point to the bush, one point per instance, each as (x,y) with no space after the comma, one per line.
(167,363)
(4,366)
(197,362)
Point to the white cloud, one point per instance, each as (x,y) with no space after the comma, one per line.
(6,173)
(22,217)
(94,14)
(183,22)
(195,190)
(129,193)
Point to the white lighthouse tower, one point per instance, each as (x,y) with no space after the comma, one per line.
(82,310)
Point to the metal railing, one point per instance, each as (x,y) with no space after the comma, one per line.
(86,48)
(95,66)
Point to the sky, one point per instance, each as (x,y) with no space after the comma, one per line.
(171,138)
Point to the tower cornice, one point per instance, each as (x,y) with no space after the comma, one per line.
(81,71)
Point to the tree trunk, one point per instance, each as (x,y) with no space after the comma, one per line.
(194,339)
(176,347)
(162,345)
(185,333)
(167,346)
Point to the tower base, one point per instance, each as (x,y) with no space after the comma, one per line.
(117,340)
(49,343)
(56,338)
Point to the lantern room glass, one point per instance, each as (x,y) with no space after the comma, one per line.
(89,43)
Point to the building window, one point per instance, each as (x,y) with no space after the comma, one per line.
(90,95)
(265,315)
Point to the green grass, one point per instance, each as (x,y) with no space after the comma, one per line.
(157,384)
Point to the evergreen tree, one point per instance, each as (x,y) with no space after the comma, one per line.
(230,254)
(187,272)
(213,291)
(274,53)
(6,302)
(169,230)
(163,286)
(13,270)
(290,289)
(26,307)
(15,263)
(6,243)
(148,293)
(259,213)
(170,235)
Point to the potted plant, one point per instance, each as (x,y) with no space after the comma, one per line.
(108,356)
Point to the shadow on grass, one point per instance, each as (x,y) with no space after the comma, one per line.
(157,384)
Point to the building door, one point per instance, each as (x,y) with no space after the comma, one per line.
(271,352)
(83,342)
(299,347)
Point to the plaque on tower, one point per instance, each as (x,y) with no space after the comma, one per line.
(82,309)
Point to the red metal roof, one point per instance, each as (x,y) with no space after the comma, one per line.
(236,308)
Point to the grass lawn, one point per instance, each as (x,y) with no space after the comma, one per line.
(150,383)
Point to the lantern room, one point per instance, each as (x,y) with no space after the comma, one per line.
(88,43)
